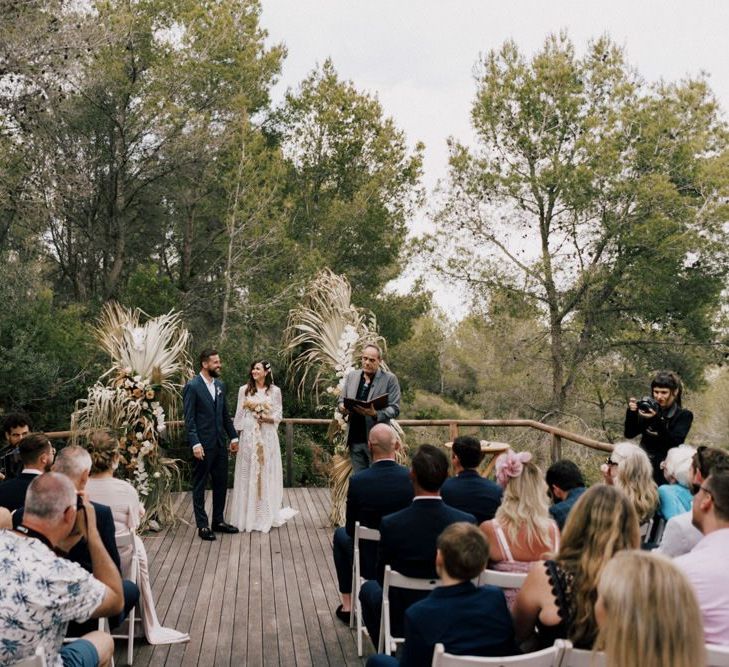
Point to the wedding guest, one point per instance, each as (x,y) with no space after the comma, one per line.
(705,564)
(522,530)
(75,463)
(468,491)
(408,540)
(647,614)
(16,426)
(558,597)
(680,535)
(364,385)
(36,454)
(675,497)
(29,620)
(467,620)
(565,484)
(629,468)
(6,519)
(381,489)
(118,494)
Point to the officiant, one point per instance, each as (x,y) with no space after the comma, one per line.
(367,384)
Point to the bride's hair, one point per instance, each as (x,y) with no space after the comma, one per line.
(268,380)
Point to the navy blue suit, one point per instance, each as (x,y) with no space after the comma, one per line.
(408,545)
(12,491)
(382,489)
(560,510)
(469,492)
(208,423)
(467,620)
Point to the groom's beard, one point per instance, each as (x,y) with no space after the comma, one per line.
(213,373)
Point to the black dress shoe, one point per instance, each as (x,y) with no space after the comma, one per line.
(206,534)
(343,615)
(223,527)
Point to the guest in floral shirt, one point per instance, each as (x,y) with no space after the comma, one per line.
(42,592)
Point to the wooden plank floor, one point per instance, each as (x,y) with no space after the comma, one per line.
(249,599)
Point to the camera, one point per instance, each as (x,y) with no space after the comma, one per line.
(649,404)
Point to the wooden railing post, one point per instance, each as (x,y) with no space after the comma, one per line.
(289,454)
(453,430)
(556,448)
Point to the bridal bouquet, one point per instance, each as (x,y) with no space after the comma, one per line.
(260,408)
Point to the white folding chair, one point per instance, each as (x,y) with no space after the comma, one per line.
(102,627)
(502,579)
(38,660)
(645,530)
(394,579)
(355,619)
(580,657)
(123,541)
(717,656)
(548,657)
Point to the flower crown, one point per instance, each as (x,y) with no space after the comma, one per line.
(510,464)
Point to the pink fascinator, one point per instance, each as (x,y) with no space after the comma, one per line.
(510,464)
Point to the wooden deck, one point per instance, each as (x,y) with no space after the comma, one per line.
(249,599)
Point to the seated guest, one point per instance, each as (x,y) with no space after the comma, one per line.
(408,540)
(565,484)
(675,497)
(381,489)
(29,619)
(557,599)
(122,498)
(629,468)
(468,491)
(36,454)
(680,534)
(647,614)
(522,530)
(705,565)
(467,620)
(75,463)
(16,426)
(6,519)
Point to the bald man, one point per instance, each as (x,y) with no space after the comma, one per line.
(377,491)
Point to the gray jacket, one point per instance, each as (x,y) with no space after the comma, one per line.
(384,382)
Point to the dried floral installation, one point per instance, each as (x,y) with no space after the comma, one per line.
(149,366)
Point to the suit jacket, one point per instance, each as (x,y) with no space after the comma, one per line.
(384,382)
(381,489)
(466,619)
(560,510)
(207,422)
(12,491)
(407,545)
(80,552)
(469,492)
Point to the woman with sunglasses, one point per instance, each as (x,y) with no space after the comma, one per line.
(629,469)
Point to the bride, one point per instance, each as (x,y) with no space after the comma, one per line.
(258,481)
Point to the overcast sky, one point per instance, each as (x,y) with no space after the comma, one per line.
(417,57)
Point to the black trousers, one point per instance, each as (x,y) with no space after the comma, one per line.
(214,466)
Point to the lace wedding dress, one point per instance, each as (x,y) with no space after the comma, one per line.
(255,502)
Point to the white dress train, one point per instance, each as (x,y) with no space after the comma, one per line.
(257,496)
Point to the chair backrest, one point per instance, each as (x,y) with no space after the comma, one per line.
(577,657)
(363,533)
(38,660)
(548,657)
(717,656)
(124,540)
(394,579)
(502,579)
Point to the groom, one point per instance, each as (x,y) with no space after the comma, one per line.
(208,423)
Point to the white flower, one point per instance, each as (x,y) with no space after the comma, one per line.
(157,475)
(137,378)
(139,435)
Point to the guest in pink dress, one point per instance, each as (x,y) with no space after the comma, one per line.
(123,499)
(522,530)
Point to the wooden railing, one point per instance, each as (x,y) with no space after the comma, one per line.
(557,434)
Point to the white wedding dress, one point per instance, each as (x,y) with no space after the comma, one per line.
(255,502)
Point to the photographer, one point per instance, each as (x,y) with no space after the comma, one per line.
(659,419)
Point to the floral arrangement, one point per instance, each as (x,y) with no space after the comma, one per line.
(323,338)
(149,365)
(259,408)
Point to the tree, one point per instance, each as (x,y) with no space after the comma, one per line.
(594,197)
(353,182)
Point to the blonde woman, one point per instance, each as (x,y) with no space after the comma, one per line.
(522,530)
(123,499)
(629,469)
(647,614)
(558,597)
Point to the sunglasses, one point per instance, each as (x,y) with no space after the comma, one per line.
(610,462)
